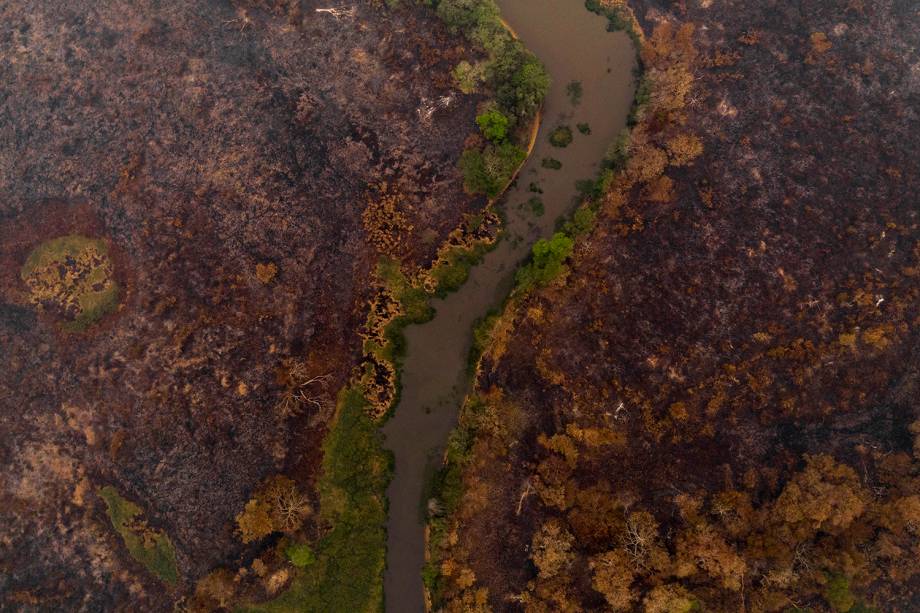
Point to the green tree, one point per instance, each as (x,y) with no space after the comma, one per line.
(521,81)
(494,125)
(464,15)
(548,260)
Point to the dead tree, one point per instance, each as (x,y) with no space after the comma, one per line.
(338,13)
(528,487)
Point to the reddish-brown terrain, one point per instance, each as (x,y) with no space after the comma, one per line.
(718,407)
(247,163)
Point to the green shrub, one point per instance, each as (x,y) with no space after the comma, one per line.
(551,163)
(584,128)
(581,223)
(561,136)
(454,271)
(643,96)
(617,19)
(588,188)
(494,125)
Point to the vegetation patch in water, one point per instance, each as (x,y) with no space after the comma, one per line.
(574,91)
(561,137)
(536,206)
(619,18)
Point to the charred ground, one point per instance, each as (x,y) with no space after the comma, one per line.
(717,407)
(233,156)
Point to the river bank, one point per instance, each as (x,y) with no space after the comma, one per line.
(589,99)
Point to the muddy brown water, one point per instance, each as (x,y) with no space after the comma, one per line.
(575,46)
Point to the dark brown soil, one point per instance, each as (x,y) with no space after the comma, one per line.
(201,139)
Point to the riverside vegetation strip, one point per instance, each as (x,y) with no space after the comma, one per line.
(347,572)
(435,365)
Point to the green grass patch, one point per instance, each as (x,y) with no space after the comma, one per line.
(151,548)
(300,554)
(347,572)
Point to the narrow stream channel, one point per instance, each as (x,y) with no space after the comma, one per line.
(575,46)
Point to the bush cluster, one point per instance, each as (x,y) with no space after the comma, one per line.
(518,83)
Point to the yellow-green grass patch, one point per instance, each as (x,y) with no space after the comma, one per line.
(72,275)
(150,547)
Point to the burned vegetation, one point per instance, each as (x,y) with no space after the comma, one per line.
(194,197)
(714,405)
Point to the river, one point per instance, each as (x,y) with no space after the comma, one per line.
(575,47)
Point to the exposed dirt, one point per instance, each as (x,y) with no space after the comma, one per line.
(227,153)
(736,310)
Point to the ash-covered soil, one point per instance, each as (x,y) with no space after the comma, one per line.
(227,153)
(727,384)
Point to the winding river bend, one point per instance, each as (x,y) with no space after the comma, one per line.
(575,47)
